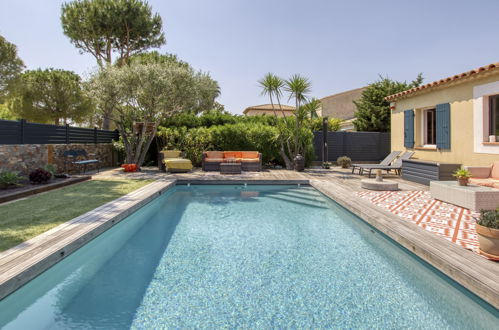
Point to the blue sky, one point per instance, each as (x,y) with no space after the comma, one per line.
(339,45)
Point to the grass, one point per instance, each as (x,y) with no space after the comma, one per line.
(27,218)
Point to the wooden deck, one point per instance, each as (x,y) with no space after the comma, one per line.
(22,263)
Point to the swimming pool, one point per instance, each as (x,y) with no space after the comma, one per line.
(235,256)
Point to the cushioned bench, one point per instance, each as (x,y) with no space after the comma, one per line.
(170,161)
(250,160)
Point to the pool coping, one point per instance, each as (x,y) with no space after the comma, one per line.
(24,262)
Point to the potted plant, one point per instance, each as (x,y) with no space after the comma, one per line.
(463,176)
(487,229)
(326,165)
(344,162)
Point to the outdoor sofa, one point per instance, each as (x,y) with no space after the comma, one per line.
(171,161)
(487,176)
(250,160)
(396,165)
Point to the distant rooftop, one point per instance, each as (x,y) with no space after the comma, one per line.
(268,107)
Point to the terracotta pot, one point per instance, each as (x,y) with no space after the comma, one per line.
(488,239)
(463,181)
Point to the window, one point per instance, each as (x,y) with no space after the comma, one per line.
(430,137)
(494,115)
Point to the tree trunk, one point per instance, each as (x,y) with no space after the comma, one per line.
(287,161)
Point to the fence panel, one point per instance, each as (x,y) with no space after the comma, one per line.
(22,132)
(359,146)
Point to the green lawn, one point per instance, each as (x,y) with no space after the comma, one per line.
(24,219)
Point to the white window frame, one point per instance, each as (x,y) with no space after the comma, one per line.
(481,110)
(424,133)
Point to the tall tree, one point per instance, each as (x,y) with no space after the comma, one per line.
(298,88)
(111,30)
(373,111)
(50,96)
(11,66)
(140,96)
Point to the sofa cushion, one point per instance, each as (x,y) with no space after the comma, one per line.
(494,174)
(213,160)
(482,182)
(249,154)
(215,154)
(250,160)
(171,153)
(232,154)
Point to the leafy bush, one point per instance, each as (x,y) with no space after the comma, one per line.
(8,178)
(40,176)
(344,161)
(51,168)
(462,174)
(333,124)
(489,219)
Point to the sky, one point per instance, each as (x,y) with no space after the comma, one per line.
(338,45)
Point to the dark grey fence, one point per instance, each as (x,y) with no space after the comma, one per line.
(359,146)
(22,132)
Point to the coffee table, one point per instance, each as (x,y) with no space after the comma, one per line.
(230,168)
(472,197)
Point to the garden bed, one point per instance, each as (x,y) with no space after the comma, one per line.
(28,189)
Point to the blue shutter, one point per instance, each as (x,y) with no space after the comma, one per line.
(442,126)
(409,129)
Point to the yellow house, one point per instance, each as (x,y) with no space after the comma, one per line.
(452,120)
(266,109)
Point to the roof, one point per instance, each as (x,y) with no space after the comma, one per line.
(267,107)
(352,91)
(479,72)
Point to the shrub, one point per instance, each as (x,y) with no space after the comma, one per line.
(462,173)
(39,176)
(489,219)
(344,161)
(51,168)
(8,178)
(333,124)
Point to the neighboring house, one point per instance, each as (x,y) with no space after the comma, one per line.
(341,106)
(266,109)
(450,120)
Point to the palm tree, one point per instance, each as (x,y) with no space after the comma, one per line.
(272,86)
(298,88)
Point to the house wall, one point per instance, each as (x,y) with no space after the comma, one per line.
(463,101)
(341,105)
(268,113)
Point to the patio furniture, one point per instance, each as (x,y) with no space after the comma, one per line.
(396,165)
(473,197)
(485,175)
(230,168)
(387,161)
(250,160)
(80,158)
(423,171)
(171,161)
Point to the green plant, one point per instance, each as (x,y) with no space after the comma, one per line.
(462,173)
(489,219)
(39,176)
(344,161)
(326,165)
(8,178)
(51,168)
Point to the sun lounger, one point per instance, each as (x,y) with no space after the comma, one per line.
(396,166)
(385,162)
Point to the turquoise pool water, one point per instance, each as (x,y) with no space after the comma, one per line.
(255,257)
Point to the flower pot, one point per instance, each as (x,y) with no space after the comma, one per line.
(492,138)
(463,181)
(488,239)
(299,163)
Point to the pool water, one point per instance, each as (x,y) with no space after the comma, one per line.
(249,257)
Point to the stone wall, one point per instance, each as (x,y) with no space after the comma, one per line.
(24,158)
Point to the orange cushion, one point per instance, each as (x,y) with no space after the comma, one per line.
(495,171)
(482,182)
(213,160)
(232,154)
(249,154)
(250,160)
(215,154)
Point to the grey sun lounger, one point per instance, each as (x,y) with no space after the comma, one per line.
(396,166)
(385,162)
